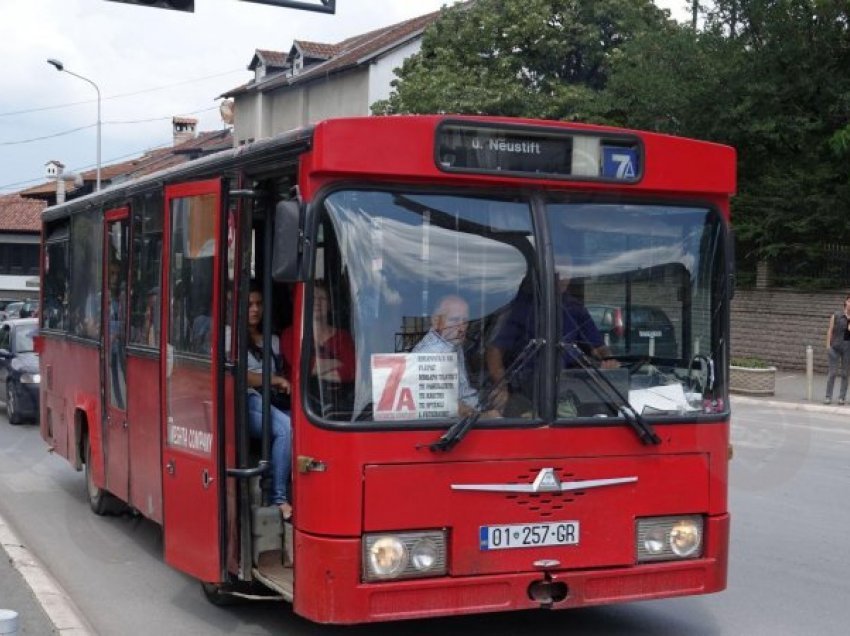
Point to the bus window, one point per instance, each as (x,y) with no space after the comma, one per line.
(146,270)
(86,265)
(55,311)
(645,275)
(193,246)
(400,255)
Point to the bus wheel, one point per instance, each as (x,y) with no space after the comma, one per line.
(100,500)
(219,594)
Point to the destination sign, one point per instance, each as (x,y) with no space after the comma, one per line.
(536,152)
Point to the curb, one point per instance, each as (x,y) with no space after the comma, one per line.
(831,409)
(55,602)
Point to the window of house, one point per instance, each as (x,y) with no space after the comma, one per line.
(19,259)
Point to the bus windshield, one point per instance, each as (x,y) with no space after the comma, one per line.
(440,293)
(640,288)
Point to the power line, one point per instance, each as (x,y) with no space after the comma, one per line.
(144,121)
(119,96)
(90,166)
(59,134)
(73,130)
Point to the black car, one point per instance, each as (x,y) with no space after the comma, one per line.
(630,335)
(20,379)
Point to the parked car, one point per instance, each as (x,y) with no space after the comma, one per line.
(30,309)
(21,309)
(4,302)
(631,335)
(20,379)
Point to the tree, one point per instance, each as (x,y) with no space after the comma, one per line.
(532,58)
(772,78)
(769,77)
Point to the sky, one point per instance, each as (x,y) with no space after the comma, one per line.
(149,65)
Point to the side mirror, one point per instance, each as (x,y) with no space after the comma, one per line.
(287,249)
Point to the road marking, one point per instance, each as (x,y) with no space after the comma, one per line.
(58,606)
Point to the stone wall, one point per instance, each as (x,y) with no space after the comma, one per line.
(776,325)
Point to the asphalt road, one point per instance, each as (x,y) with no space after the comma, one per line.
(788,572)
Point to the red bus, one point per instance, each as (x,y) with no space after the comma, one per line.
(564,444)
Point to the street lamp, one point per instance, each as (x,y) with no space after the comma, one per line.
(61,67)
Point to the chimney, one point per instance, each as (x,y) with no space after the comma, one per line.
(184,129)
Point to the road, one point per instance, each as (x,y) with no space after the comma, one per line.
(788,572)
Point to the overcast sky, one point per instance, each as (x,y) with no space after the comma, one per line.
(149,64)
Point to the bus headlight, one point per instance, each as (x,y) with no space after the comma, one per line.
(424,554)
(668,538)
(387,557)
(404,555)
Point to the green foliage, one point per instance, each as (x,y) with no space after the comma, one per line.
(531,58)
(749,363)
(769,77)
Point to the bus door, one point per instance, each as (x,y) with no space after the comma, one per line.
(114,361)
(192,477)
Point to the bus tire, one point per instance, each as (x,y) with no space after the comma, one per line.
(218,594)
(101,501)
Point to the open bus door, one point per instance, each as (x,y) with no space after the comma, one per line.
(116,257)
(192,483)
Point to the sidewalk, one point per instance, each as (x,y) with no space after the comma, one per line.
(791,393)
(17,596)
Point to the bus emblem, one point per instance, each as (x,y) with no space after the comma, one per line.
(546,481)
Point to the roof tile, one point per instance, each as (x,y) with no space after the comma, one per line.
(18,214)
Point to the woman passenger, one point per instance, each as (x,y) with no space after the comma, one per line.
(281,428)
(333,359)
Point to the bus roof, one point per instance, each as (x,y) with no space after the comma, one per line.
(674,165)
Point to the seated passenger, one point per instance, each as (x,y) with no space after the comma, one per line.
(449,322)
(333,359)
(281,429)
(518,327)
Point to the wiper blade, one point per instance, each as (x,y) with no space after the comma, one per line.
(644,431)
(459,429)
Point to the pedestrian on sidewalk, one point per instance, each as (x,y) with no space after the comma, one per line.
(838,351)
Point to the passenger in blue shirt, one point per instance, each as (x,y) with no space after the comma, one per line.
(519,326)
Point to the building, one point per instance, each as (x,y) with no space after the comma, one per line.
(20,231)
(315,81)
(20,213)
(187,144)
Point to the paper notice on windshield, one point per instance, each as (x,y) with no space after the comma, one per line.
(412,386)
(660,399)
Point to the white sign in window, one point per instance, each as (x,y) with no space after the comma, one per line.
(410,386)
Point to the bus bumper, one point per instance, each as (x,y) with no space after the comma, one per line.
(334,593)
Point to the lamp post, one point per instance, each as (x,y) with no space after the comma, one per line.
(61,67)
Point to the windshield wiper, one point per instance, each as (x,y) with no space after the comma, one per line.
(459,429)
(644,431)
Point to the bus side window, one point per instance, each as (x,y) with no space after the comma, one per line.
(333,360)
(146,269)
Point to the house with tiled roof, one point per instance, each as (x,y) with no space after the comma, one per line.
(20,229)
(187,144)
(267,62)
(20,213)
(320,80)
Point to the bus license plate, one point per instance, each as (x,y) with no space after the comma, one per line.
(528,535)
